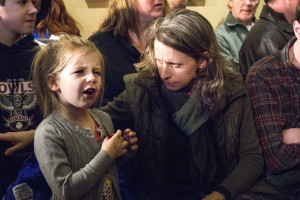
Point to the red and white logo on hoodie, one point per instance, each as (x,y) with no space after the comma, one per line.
(17,98)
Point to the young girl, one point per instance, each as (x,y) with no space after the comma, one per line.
(73,144)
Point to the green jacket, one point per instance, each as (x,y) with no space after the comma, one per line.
(230,37)
(234,128)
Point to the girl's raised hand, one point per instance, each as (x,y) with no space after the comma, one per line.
(114,145)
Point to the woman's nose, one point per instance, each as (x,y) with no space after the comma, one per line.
(164,71)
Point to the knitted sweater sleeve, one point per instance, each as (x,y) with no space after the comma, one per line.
(54,154)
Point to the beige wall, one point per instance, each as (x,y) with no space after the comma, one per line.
(89,12)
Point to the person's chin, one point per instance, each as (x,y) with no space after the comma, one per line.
(157,13)
(247,20)
(172,88)
(247,17)
(27,32)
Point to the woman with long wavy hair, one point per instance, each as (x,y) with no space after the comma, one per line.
(121,38)
(192,116)
(53,19)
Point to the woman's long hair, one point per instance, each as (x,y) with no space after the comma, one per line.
(190,33)
(56,19)
(122,16)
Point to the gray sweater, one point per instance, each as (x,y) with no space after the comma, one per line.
(71,160)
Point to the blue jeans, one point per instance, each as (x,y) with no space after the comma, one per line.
(287,182)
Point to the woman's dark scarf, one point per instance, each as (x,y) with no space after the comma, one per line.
(191,118)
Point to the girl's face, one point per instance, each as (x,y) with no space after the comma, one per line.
(176,69)
(78,84)
(149,10)
(17,17)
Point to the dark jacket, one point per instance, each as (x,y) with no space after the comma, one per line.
(268,35)
(119,56)
(19,110)
(234,128)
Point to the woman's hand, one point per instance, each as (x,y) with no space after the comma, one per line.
(130,137)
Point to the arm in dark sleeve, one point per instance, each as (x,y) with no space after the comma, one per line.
(250,163)
(119,111)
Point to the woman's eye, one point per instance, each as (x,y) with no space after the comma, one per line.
(175,65)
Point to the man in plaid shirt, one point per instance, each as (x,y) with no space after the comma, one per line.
(273,84)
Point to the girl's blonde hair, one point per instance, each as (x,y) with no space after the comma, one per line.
(122,16)
(52,59)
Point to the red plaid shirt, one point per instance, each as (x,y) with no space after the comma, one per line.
(273,85)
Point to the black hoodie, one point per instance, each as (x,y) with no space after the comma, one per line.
(19,110)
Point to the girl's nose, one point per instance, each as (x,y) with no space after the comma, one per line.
(90,78)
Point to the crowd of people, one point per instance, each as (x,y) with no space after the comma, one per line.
(156,104)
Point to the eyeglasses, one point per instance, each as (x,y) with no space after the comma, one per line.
(252,1)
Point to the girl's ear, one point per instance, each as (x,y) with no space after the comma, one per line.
(52,83)
(296,26)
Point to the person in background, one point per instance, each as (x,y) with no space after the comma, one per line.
(273,86)
(76,141)
(19,111)
(53,20)
(121,39)
(42,7)
(232,33)
(269,34)
(177,4)
(192,115)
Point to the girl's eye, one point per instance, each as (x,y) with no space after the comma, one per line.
(158,61)
(97,72)
(79,71)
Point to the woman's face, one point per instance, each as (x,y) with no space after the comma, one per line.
(148,10)
(176,69)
